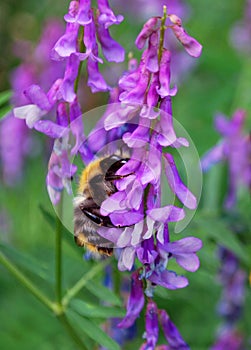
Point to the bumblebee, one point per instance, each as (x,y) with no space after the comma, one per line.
(95,185)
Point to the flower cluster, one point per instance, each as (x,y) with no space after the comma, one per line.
(142,120)
(85,29)
(235,150)
(140,222)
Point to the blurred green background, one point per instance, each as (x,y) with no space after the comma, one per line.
(220,81)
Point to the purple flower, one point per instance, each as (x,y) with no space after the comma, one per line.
(71,72)
(191,45)
(79,12)
(135,302)
(67,43)
(164,76)
(229,339)
(106,16)
(241,32)
(151,26)
(112,51)
(176,184)
(168,279)
(36,66)
(152,327)
(12,153)
(184,251)
(60,171)
(171,333)
(234,148)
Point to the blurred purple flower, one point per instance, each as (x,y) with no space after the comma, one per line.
(234,148)
(229,339)
(240,34)
(35,66)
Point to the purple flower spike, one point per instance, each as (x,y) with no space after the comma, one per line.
(176,184)
(234,148)
(107,17)
(171,333)
(112,50)
(164,76)
(135,302)
(191,45)
(152,327)
(152,25)
(184,251)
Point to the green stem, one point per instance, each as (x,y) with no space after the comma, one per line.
(81,47)
(162,31)
(82,282)
(71,331)
(58,255)
(27,283)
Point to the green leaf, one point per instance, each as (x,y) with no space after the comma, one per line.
(5,96)
(27,262)
(4,111)
(103,293)
(93,331)
(95,311)
(216,229)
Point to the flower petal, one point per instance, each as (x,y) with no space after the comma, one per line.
(167,213)
(169,279)
(176,184)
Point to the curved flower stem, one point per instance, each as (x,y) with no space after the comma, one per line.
(82,282)
(71,331)
(27,283)
(162,31)
(58,255)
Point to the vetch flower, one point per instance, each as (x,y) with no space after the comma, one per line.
(60,171)
(36,65)
(234,148)
(135,302)
(152,327)
(171,333)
